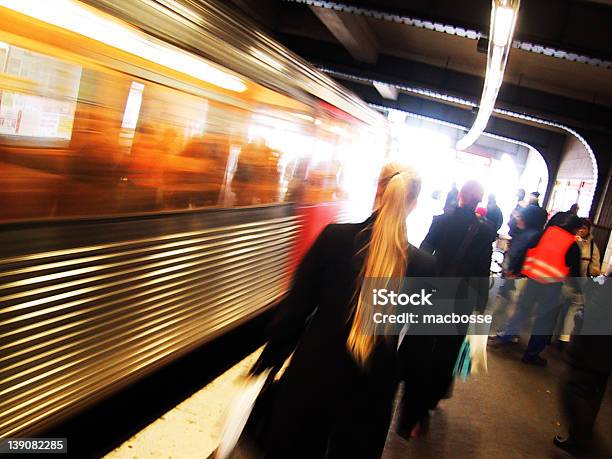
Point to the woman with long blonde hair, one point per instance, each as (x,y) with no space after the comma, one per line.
(335,397)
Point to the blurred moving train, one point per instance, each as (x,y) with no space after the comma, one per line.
(162,166)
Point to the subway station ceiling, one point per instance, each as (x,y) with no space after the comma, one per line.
(560,65)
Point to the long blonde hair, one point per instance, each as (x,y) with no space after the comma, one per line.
(387,251)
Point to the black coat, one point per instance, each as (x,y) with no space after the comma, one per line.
(444,239)
(591,344)
(495,216)
(447,232)
(327,406)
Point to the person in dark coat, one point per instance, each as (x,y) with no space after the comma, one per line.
(450,203)
(512,223)
(588,367)
(542,292)
(530,223)
(462,246)
(447,233)
(560,217)
(335,397)
(583,386)
(494,213)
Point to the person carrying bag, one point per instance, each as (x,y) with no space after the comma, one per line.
(335,397)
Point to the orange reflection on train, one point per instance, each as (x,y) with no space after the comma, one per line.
(151,199)
(89,139)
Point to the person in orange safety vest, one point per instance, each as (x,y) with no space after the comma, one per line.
(547,262)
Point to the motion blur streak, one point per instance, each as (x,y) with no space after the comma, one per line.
(152,199)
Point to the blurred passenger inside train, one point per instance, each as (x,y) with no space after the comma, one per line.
(145,171)
(194,175)
(257,176)
(297,184)
(204,179)
(494,213)
(322,184)
(95,165)
(31,183)
(547,262)
(336,395)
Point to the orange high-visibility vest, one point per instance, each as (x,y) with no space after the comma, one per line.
(545,263)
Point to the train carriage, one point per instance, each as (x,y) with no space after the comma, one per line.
(162,167)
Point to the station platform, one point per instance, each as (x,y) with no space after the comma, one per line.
(510,412)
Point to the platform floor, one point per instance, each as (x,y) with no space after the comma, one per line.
(511,412)
(192,429)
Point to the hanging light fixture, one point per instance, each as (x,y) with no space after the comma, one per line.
(503,20)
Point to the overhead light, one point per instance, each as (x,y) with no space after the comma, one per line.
(503,20)
(76,17)
(496,76)
(503,23)
(497,56)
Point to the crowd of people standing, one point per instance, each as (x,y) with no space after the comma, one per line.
(335,397)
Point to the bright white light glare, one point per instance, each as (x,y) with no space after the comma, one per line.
(338,130)
(4,46)
(396,116)
(304,117)
(480,123)
(496,57)
(132,106)
(77,18)
(502,27)
(496,76)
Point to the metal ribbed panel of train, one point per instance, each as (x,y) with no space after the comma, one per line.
(78,319)
(156,188)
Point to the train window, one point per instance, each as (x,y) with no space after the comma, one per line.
(132,109)
(39,95)
(91,131)
(266,169)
